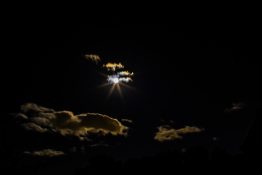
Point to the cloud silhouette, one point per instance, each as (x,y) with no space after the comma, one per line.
(41,119)
(34,127)
(92,57)
(235,107)
(46,153)
(167,133)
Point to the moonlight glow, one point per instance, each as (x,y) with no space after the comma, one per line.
(115,79)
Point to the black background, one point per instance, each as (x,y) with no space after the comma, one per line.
(186,70)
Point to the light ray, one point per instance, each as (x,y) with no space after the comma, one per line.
(127,86)
(119,90)
(111,91)
(104,85)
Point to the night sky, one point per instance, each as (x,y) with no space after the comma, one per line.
(202,76)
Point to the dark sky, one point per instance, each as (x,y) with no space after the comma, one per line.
(188,74)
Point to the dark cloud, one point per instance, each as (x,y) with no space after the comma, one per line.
(46,153)
(126,120)
(235,107)
(34,127)
(167,133)
(41,119)
(21,116)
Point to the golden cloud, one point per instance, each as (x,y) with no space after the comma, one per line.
(41,119)
(188,130)
(46,153)
(113,66)
(166,133)
(93,58)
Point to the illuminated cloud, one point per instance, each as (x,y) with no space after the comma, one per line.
(125,79)
(42,119)
(126,120)
(125,73)
(188,130)
(166,133)
(113,66)
(93,58)
(46,153)
(114,79)
(235,107)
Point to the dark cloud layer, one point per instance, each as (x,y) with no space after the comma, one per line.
(41,119)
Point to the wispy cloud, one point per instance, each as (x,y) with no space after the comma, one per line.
(235,107)
(167,133)
(93,58)
(125,79)
(113,66)
(41,119)
(34,127)
(46,153)
(114,79)
(126,120)
(125,73)
(188,130)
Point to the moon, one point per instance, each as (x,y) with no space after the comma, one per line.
(115,80)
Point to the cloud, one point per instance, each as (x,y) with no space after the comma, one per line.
(46,153)
(125,79)
(34,127)
(125,73)
(93,58)
(235,107)
(114,79)
(166,133)
(113,66)
(21,116)
(41,119)
(126,120)
(188,130)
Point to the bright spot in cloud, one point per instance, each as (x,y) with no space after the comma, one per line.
(115,79)
(125,73)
